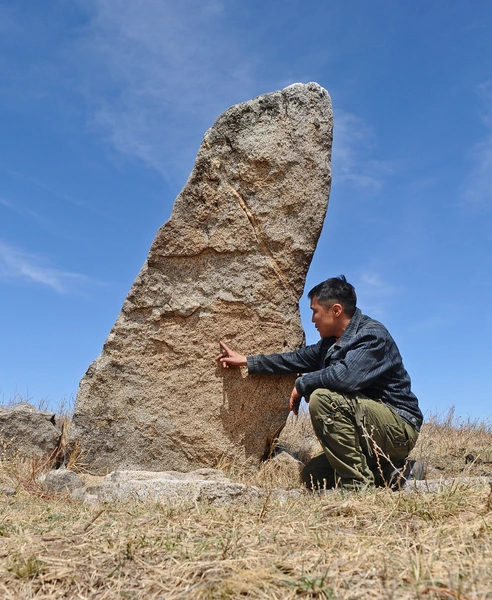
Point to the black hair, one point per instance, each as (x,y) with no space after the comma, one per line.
(335,289)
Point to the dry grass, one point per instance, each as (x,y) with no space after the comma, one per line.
(369,545)
(452,446)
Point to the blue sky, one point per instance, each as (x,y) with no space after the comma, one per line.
(103,107)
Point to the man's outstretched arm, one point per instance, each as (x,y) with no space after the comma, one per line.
(230,358)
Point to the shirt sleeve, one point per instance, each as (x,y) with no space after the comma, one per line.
(298,361)
(363,363)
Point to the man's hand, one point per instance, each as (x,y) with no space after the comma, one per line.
(295,401)
(229,358)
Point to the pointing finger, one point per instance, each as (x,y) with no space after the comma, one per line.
(226,348)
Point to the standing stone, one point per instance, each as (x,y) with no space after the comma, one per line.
(229,264)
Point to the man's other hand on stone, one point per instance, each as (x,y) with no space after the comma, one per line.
(230,358)
(295,401)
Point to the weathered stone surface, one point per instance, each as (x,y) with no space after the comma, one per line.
(230,263)
(173,488)
(432,486)
(119,477)
(28,432)
(61,480)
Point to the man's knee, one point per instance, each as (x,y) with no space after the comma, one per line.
(327,402)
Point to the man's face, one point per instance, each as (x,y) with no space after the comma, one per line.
(324,318)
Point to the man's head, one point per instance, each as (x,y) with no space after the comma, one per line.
(335,290)
(333,304)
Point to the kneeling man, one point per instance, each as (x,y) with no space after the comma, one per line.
(362,408)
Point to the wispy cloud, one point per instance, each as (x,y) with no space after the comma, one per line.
(24,211)
(20,265)
(162,70)
(478,190)
(374,292)
(354,144)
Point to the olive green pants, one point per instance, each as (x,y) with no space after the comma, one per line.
(362,440)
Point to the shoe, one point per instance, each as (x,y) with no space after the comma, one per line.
(404,471)
(396,475)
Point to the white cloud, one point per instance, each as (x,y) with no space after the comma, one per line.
(354,142)
(17,264)
(156,74)
(162,73)
(478,190)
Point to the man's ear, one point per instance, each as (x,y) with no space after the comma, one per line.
(337,309)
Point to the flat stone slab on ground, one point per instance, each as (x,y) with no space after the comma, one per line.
(173,488)
(211,486)
(432,486)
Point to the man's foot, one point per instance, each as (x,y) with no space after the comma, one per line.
(398,474)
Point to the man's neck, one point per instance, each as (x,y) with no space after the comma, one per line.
(344,321)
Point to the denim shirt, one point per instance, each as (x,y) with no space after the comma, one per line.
(365,359)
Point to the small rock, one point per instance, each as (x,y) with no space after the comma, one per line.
(285,459)
(28,432)
(61,480)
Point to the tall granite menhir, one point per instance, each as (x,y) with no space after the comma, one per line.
(229,264)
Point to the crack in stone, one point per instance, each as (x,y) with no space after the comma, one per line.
(256,228)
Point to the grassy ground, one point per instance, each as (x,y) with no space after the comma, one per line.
(373,544)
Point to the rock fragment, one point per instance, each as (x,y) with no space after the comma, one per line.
(27,432)
(61,480)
